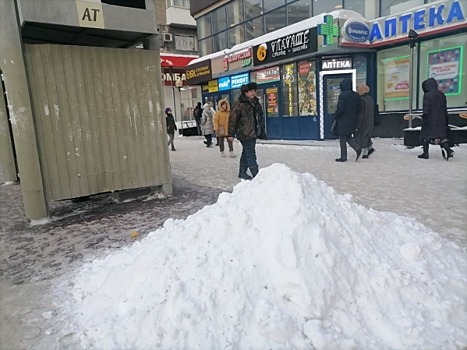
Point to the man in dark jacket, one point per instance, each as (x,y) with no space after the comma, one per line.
(198,113)
(246,122)
(435,120)
(171,126)
(349,106)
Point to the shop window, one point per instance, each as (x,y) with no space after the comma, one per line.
(298,11)
(321,6)
(254,28)
(236,35)
(289,90)
(357,6)
(235,12)
(275,20)
(270,5)
(393,79)
(252,8)
(307,88)
(360,65)
(203,24)
(219,19)
(444,59)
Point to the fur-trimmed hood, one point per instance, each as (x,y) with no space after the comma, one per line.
(224,100)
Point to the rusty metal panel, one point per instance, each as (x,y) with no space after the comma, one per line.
(98,118)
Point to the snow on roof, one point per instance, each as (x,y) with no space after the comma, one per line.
(293,28)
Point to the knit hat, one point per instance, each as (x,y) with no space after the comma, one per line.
(363,89)
(248,87)
(168,110)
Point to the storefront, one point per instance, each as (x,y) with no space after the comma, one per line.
(299,68)
(178,95)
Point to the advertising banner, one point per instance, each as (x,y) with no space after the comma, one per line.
(198,72)
(396,77)
(446,67)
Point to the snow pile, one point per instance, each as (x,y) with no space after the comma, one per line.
(283,262)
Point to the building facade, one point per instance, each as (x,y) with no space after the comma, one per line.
(299,67)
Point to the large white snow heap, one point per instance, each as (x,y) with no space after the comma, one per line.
(282,262)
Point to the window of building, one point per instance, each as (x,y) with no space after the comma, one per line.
(298,11)
(205,46)
(236,35)
(444,59)
(220,41)
(320,6)
(390,7)
(289,90)
(276,19)
(270,5)
(254,28)
(203,25)
(235,12)
(360,65)
(179,3)
(393,79)
(139,4)
(185,43)
(307,88)
(357,6)
(219,19)
(252,8)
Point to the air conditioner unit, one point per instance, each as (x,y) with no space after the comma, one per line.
(167,37)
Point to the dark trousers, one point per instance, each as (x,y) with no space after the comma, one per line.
(343,140)
(208,138)
(248,157)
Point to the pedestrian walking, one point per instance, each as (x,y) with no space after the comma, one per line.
(171,127)
(366,121)
(207,123)
(348,107)
(435,120)
(197,114)
(221,127)
(246,122)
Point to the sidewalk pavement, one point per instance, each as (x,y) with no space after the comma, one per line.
(32,258)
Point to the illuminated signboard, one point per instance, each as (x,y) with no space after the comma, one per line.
(238,80)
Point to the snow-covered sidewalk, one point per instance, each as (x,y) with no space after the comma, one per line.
(392,179)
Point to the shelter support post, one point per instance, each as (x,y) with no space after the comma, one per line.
(20,111)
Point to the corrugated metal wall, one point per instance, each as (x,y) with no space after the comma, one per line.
(98,119)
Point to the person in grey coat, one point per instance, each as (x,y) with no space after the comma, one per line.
(207,123)
(366,121)
(435,120)
(349,105)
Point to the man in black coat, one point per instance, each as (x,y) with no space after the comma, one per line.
(349,106)
(435,120)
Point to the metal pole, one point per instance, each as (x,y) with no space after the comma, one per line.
(21,116)
(411,60)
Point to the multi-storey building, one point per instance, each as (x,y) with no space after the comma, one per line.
(299,50)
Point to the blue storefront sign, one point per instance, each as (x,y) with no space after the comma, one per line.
(357,32)
(238,80)
(224,84)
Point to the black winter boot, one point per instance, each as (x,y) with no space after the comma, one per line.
(446,151)
(242,172)
(254,170)
(425,145)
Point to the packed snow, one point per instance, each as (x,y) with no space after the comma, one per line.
(281,262)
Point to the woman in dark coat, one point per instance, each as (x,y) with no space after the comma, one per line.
(366,120)
(349,106)
(435,120)
(171,127)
